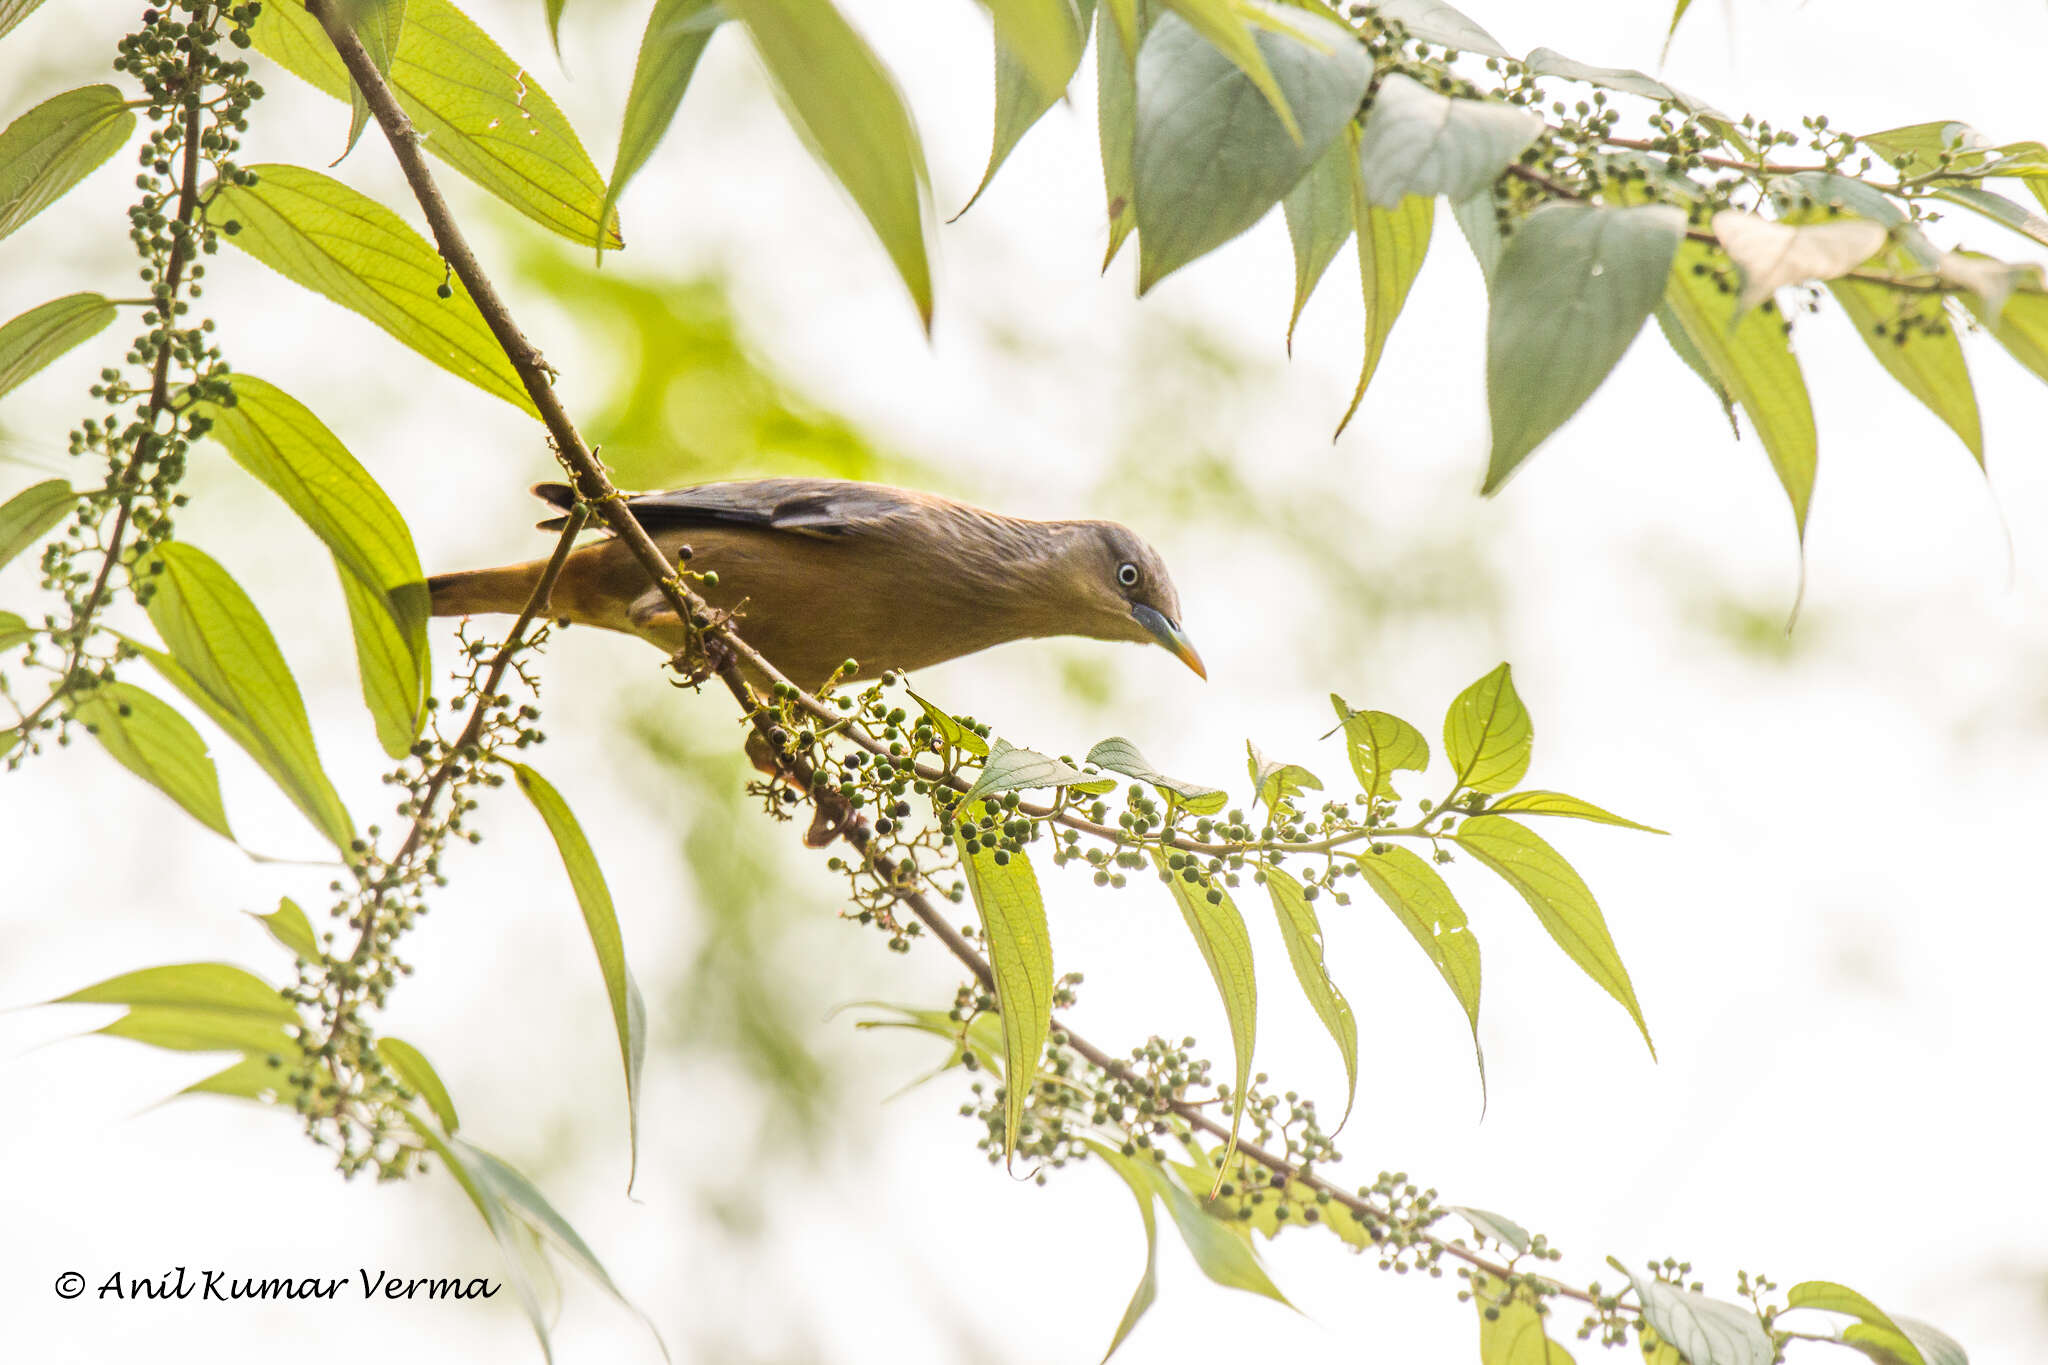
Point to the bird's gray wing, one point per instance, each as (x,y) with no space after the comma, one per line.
(825,508)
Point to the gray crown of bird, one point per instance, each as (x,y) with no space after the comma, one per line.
(831,570)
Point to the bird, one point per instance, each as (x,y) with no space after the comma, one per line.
(823,571)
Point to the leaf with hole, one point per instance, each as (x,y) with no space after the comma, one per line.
(1380,745)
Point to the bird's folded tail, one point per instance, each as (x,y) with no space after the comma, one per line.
(483,592)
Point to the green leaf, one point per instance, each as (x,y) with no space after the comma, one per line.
(1561,901)
(1318,211)
(1835,1298)
(1148,1284)
(419,1075)
(150,739)
(1933,1345)
(1544,61)
(1998,209)
(31,512)
(13,631)
(1774,255)
(1511,1328)
(1705,1331)
(1380,745)
(2021,327)
(319,233)
(845,105)
(1426,908)
(951,730)
(223,657)
(1006,896)
(289,926)
(213,987)
(629,1014)
(380,25)
(43,333)
(1481,230)
(1419,142)
(288,449)
(1682,345)
(1274,781)
(1435,22)
(13,12)
(1222,1251)
(193,1029)
(1391,245)
(1121,756)
(1752,358)
(1914,339)
(1116,112)
(1506,1231)
(676,35)
(1012,769)
(553,10)
(1227,26)
(57,144)
(1573,288)
(474,107)
(1219,931)
(252,1077)
(1211,156)
(1557,803)
(513,1236)
(1303,934)
(1487,734)
(1677,13)
(1038,49)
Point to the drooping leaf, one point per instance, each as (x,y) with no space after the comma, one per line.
(222,656)
(1682,345)
(1274,781)
(1705,1331)
(57,144)
(1391,245)
(289,926)
(475,107)
(39,336)
(1573,288)
(418,1074)
(1303,934)
(2021,327)
(210,986)
(319,233)
(1318,211)
(1116,111)
(1557,803)
(1435,22)
(1511,1330)
(292,453)
(951,730)
(1121,756)
(1754,362)
(1140,1185)
(1562,903)
(31,512)
(1380,745)
(1218,929)
(1487,734)
(1013,769)
(13,12)
(524,1267)
(380,24)
(845,105)
(1426,908)
(676,35)
(1671,33)
(1836,1298)
(1222,1252)
(629,1013)
(1038,49)
(1419,142)
(150,739)
(1481,231)
(1005,892)
(1211,155)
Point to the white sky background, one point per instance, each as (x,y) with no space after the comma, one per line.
(1836,950)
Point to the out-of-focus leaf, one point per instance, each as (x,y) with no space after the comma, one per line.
(1012,769)
(1511,1326)
(1274,781)
(1224,25)
(474,106)
(1005,892)
(1481,230)
(1391,245)
(57,144)
(1915,340)
(13,630)
(317,232)
(188,1028)
(1211,156)
(1222,1251)
(1992,281)
(2021,327)
(1934,1346)
(31,512)
(419,1075)
(629,1014)
(39,336)
(1119,755)
(13,12)
(1419,142)
(1116,111)
(1836,1298)
(677,32)
(1148,1284)
(1426,908)
(1038,49)
(1219,931)
(292,453)
(1318,211)
(211,986)
(1681,344)
(151,740)
(289,926)
(1671,33)
(1753,361)
(1773,255)
(845,105)
(1557,803)
(1544,61)
(1303,934)
(1705,1331)
(951,730)
(1380,745)
(1998,209)
(1573,288)
(250,1078)
(224,658)
(1435,22)
(1506,1231)
(1562,903)
(1487,734)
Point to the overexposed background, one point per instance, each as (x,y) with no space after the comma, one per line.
(1836,949)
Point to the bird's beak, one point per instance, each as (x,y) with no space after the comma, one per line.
(1169,635)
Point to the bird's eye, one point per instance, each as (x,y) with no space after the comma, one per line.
(1127,574)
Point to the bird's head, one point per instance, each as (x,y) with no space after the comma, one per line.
(1123,587)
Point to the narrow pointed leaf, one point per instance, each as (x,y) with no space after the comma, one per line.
(1380,745)
(39,336)
(1121,756)
(1671,31)
(1391,245)
(629,1014)
(319,233)
(1226,947)
(250,1078)
(1005,892)
(845,105)
(1998,209)
(514,1238)
(1562,903)
(13,12)
(1303,934)
(1116,116)
(198,1029)
(57,144)
(2021,327)
(1557,803)
(418,1073)
(1481,231)
(25,517)
(1030,33)
(676,35)
(1915,340)
(1573,288)
(1419,142)
(1705,1331)
(1836,1298)
(1487,734)
(1435,22)
(1318,211)
(152,740)
(210,986)
(1682,345)
(380,24)
(289,926)
(1222,1252)
(1147,1291)
(1426,908)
